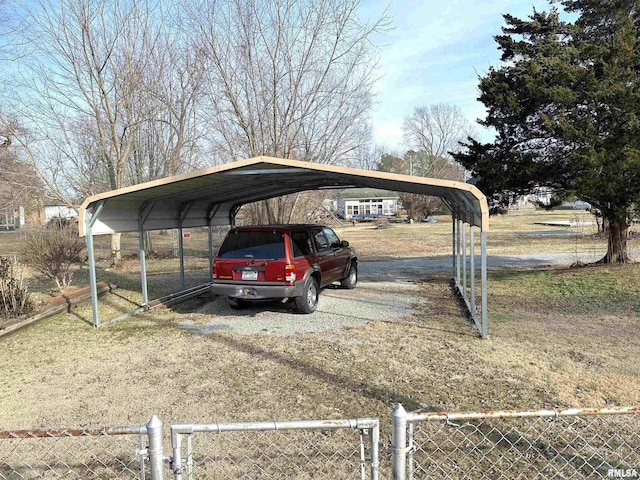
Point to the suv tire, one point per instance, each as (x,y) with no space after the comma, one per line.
(349,282)
(237,303)
(308,301)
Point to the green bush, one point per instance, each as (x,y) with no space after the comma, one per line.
(53,251)
(14,293)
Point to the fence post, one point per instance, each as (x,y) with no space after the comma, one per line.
(156,454)
(176,443)
(399,443)
(375,440)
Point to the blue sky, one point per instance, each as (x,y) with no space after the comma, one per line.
(435,54)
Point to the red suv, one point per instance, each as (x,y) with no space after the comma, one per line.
(282,261)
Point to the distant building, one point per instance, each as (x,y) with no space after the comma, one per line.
(355,203)
(544,196)
(53,209)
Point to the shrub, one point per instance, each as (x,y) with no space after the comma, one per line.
(382,222)
(53,251)
(14,293)
(59,222)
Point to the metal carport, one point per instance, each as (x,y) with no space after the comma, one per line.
(213,196)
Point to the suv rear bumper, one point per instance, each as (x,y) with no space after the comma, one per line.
(252,291)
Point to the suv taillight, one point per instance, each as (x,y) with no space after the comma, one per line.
(289,273)
(215,271)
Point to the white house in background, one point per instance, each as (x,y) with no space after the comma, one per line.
(356,203)
(543,195)
(53,209)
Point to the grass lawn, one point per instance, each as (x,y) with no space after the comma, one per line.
(558,337)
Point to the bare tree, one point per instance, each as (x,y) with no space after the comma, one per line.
(19,183)
(167,143)
(8,49)
(419,207)
(420,163)
(4,34)
(311,206)
(7,31)
(436,130)
(126,91)
(289,78)
(112,96)
(89,65)
(367,157)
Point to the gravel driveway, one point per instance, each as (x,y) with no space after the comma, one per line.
(387,290)
(337,308)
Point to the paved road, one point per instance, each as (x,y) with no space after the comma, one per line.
(410,268)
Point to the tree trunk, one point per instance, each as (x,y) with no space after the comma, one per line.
(601,222)
(617,243)
(268,207)
(116,255)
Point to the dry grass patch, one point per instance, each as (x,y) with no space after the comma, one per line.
(508,235)
(64,372)
(576,329)
(400,240)
(558,337)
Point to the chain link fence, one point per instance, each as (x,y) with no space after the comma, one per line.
(546,444)
(78,453)
(317,449)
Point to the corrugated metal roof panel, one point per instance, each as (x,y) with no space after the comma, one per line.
(213,194)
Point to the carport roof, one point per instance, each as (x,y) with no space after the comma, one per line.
(212,196)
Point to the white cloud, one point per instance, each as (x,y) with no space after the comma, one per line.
(389,135)
(435,54)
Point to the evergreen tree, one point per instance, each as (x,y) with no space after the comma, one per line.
(566,108)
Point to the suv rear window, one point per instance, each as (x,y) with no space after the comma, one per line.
(253,244)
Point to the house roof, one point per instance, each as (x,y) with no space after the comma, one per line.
(361,193)
(212,196)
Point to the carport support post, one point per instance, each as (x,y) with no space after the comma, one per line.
(143,266)
(145,207)
(458,249)
(210,238)
(464,260)
(92,276)
(453,240)
(472,269)
(89,221)
(181,248)
(483,267)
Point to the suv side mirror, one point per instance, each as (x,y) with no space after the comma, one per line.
(345,244)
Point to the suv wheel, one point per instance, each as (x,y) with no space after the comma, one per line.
(237,303)
(351,279)
(308,301)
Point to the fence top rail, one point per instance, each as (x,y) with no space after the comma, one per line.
(566,412)
(73,432)
(354,424)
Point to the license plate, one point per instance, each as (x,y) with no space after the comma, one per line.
(249,275)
